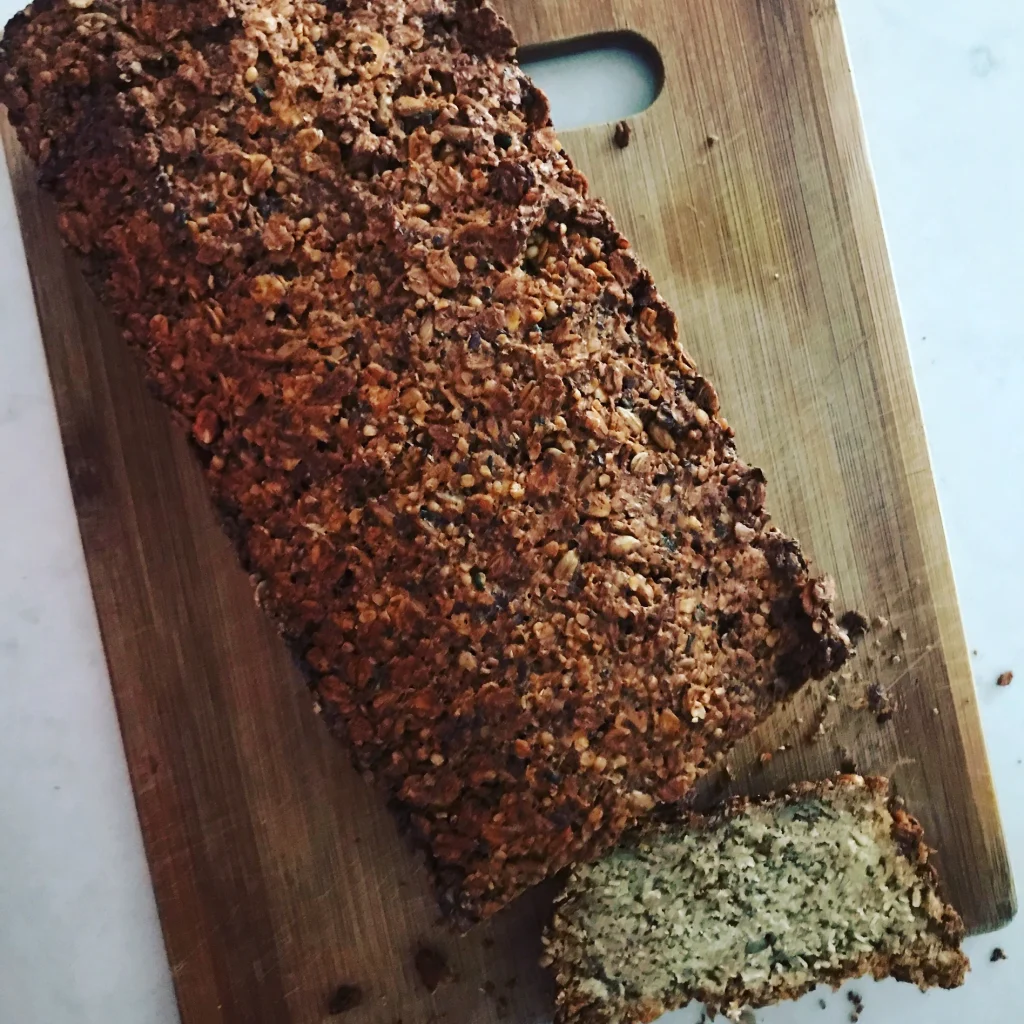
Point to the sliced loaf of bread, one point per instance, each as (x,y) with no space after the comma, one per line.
(441,408)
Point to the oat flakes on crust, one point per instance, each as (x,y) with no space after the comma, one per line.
(441,407)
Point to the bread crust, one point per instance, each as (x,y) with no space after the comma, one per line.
(442,410)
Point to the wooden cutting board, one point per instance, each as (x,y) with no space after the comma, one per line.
(746,188)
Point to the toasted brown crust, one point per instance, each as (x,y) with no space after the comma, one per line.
(442,409)
(934,961)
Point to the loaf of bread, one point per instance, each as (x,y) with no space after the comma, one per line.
(757,904)
(441,408)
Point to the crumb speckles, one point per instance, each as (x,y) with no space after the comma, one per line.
(982,61)
(857,1002)
(855,625)
(1005,678)
(997,954)
(622,135)
(343,999)
(432,968)
(880,703)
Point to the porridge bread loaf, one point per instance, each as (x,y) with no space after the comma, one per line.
(441,408)
(757,904)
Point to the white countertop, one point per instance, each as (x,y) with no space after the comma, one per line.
(941,85)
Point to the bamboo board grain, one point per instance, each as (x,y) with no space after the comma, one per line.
(278,873)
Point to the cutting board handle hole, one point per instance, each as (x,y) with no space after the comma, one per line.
(596,79)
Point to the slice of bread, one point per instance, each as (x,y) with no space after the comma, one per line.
(753,905)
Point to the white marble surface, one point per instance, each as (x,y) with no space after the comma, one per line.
(941,84)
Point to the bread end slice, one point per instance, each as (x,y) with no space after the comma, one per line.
(754,905)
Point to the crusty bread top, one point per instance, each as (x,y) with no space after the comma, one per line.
(442,409)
